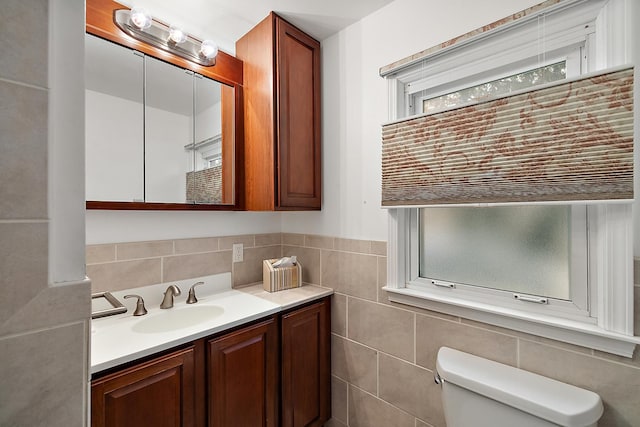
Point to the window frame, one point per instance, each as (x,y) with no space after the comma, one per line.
(577,308)
(609,327)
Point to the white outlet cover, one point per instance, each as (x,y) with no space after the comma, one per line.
(238,252)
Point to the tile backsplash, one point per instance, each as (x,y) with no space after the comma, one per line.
(383,354)
(118,266)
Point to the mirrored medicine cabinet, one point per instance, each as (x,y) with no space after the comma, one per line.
(162,133)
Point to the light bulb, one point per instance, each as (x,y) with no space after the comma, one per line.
(209,49)
(176,34)
(140,17)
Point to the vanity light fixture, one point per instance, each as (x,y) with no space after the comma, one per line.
(139,24)
(209,49)
(176,35)
(140,17)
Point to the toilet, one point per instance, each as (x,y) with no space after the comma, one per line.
(477,392)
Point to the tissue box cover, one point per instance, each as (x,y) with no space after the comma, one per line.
(280,278)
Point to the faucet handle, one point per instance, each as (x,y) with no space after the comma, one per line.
(172,291)
(140,308)
(191,299)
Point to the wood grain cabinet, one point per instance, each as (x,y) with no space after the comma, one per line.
(282,153)
(242,377)
(270,373)
(305,369)
(160,392)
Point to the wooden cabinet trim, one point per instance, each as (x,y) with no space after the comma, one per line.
(227,353)
(179,365)
(298,94)
(306,365)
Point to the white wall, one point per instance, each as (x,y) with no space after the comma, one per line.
(209,121)
(354,100)
(134,226)
(166,160)
(113,147)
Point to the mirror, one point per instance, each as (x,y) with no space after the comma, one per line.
(155,132)
(168,127)
(114,151)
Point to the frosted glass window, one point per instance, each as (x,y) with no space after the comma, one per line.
(524,249)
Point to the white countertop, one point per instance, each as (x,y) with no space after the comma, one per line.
(118,339)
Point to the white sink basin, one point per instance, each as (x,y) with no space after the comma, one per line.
(177,318)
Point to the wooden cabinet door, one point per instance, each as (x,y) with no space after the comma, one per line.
(298,118)
(242,377)
(306,360)
(160,393)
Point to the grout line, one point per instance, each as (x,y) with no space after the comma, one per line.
(378,374)
(42,329)
(415,338)
(346,316)
(23,84)
(377,279)
(24,221)
(348,404)
(404,411)
(321,280)
(378,351)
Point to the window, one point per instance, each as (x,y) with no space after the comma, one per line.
(535,254)
(543,269)
(502,86)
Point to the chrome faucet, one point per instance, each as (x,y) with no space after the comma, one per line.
(167,301)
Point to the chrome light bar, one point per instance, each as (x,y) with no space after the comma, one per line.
(157,35)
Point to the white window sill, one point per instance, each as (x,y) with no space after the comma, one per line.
(565,330)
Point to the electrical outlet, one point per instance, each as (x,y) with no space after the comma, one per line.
(238,252)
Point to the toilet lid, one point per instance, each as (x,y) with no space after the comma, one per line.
(543,397)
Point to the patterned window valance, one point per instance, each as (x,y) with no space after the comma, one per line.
(569,142)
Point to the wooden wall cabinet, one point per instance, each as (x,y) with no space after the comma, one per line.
(306,366)
(282,117)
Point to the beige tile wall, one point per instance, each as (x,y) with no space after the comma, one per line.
(43,327)
(118,266)
(383,354)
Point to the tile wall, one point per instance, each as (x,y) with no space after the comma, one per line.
(43,326)
(118,266)
(383,354)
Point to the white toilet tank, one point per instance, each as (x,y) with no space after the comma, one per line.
(477,392)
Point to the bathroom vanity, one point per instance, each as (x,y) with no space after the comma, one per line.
(252,358)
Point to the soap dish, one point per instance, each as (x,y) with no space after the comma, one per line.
(104,304)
